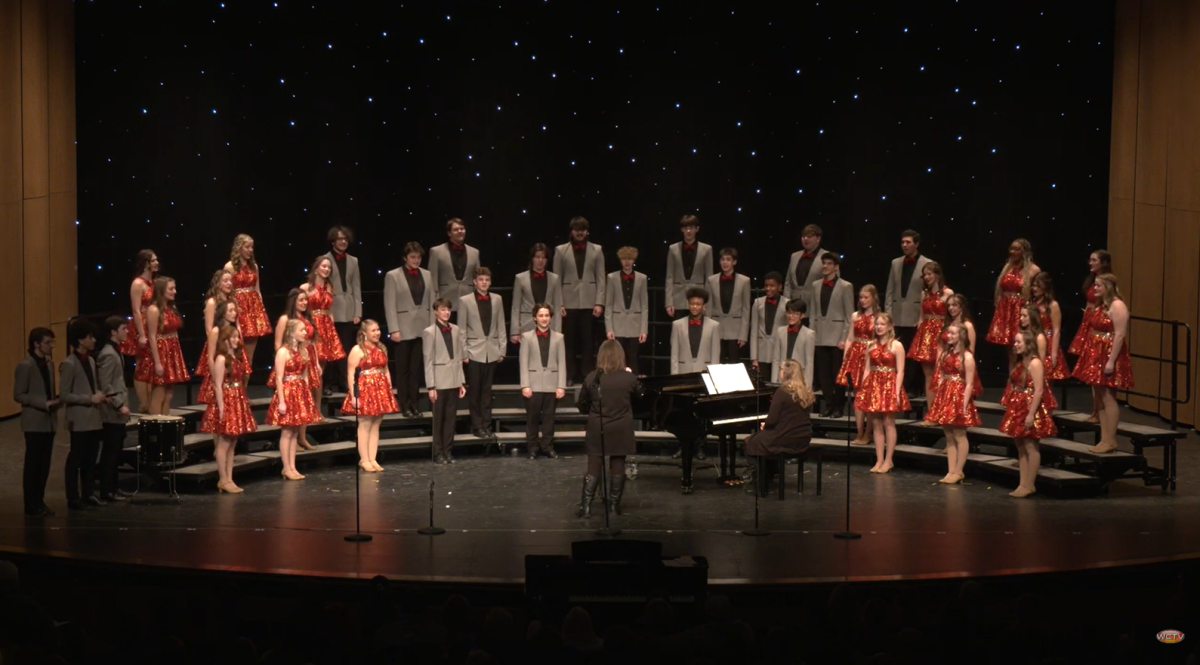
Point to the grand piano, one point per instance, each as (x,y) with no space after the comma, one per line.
(680,404)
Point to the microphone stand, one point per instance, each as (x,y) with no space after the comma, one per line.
(358,536)
(760,468)
(848,534)
(607,529)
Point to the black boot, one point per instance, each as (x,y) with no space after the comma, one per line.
(590,483)
(614,498)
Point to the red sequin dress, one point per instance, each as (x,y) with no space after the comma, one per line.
(1019,395)
(169,354)
(924,347)
(252,316)
(297,395)
(947,406)
(1080,339)
(309,349)
(130,346)
(878,394)
(856,355)
(1058,371)
(1007,318)
(978,387)
(238,419)
(1090,366)
(207,393)
(329,347)
(375,396)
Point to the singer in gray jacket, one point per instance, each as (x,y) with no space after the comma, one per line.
(33,389)
(543,381)
(115,412)
(627,307)
(83,397)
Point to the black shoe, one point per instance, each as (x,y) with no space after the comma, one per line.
(532,456)
(825,412)
(615,491)
(551,454)
(678,453)
(450,459)
(47,511)
(590,483)
(414,412)
(112,497)
(440,459)
(121,492)
(328,392)
(839,414)
(700,453)
(487,431)
(36,512)
(479,433)
(77,505)
(96,501)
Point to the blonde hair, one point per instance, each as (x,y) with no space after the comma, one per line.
(1111,292)
(870,288)
(630,253)
(1026,268)
(792,376)
(611,357)
(361,338)
(936,269)
(214,285)
(161,284)
(962,340)
(235,254)
(313,275)
(891,335)
(289,332)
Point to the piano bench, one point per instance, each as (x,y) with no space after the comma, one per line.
(781,460)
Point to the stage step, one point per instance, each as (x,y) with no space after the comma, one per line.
(323,451)
(200,474)
(1047,477)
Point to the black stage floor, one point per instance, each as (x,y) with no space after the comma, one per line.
(498,509)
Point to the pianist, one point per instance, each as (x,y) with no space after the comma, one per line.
(787,430)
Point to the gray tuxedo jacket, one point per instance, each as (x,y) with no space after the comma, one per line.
(521,318)
(442,268)
(347,305)
(796,286)
(905,311)
(762,332)
(543,379)
(623,322)
(677,284)
(76,393)
(110,379)
(578,293)
(30,392)
(483,346)
(403,315)
(802,352)
(831,326)
(682,361)
(442,371)
(735,324)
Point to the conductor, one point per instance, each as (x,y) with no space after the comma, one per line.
(608,389)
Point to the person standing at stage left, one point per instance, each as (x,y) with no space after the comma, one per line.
(368,361)
(136,343)
(804,268)
(902,299)
(729,293)
(543,381)
(442,349)
(689,263)
(452,265)
(408,309)
(33,389)
(580,265)
(1104,362)
(320,302)
(114,411)
(1012,292)
(252,316)
(627,308)
(164,322)
(482,316)
(831,304)
(346,286)
(83,397)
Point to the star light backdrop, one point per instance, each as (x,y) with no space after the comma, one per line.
(972,122)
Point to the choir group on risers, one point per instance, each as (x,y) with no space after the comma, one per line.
(449,331)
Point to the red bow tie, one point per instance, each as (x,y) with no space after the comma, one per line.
(413,271)
(696,322)
(909,260)
(338,256)
(83,355)
(690,247)
(806,255)
(482,297)
(537,275)
(541,333)
(445,328)
(726,278)
(579,246)
(772,301)
(628,277)
(457,248)
(793,329)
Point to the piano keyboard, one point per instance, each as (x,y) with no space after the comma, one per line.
(743,419)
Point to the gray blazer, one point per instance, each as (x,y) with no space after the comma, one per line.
(442,371)
(762,332)
(802,352)
(110,378)
(795,286)
(30,392)
(522,302)
(76,392)
(623,322)
(579,293)
(682,361)
(677,285)
(906,312)
(480,347)
(831,327)
(442,269)
(543,379)
(403,315)
(735,324)
(347,305)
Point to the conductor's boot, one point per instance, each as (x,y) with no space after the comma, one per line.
(590,483)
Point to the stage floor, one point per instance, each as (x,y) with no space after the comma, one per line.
(498,509)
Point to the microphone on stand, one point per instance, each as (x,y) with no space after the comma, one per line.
(354,388)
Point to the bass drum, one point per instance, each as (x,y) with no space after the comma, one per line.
(160,441)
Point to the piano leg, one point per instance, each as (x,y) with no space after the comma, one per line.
(722,452)
(689,446)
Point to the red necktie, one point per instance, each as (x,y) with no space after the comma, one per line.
(542,333)
(338,256)
(628,277)
(695,322)
(457,248)
(772,301)
(579,246)
(909,260)
(806,255)
(690,247)
(726,278)
(828,283)
(482,297)
(793,329)
(445,328)
(537,275)
(414,271)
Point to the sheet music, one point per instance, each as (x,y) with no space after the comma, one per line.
(708,384)
(730,378)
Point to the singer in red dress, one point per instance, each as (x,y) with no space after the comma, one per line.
(228,415)
(958,310)
(1051,318)
(1012,292)
(882,393)
(292,405)
(862,329)
(1026,418)
(926,341)
(320,299)
(248,293)
(296,309)
(220,290)
(1031,321)
(1104,363)
(136,343)
(369,360)
(953,405)
(169,368)
(1099,263)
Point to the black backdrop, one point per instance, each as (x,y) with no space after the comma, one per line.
(972,122)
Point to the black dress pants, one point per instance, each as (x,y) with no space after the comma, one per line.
(631,347)
(914,382)
(578,334)
(39,448)
(114,441)
(479,393)
(445,410)
(730,351)
(539,422)
(410,372)
(827,360)
(335,372)
(81,464)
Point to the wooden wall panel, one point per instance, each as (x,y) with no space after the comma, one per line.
(64,264)
(1124,107)
(12,299)
(1181,289)
(61,87)
(35,100)
(36,235)
(1183,151)
(1145,295)
(10,101)
(1120,237)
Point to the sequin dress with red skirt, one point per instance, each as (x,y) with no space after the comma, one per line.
(206,393)
(1058,371)
(310,350)
(169,354)
(1080,339)
(924,347)
(297,395)
(328,346)
(238,419)
(856,355)
(1090,366)
(1019,394)
(947,406)
(375,396)
(130,346)
(1006,320)
(252,316)
(879,390)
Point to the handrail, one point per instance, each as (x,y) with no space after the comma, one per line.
(1174,363)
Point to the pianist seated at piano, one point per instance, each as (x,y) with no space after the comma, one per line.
(788,428)
(610,390)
